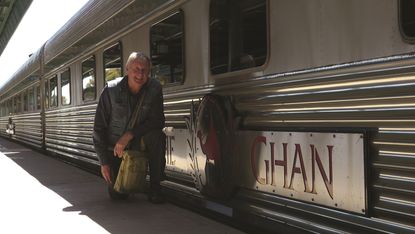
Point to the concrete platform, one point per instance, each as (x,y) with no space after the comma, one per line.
(40,194)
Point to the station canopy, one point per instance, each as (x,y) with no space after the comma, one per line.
(11,12)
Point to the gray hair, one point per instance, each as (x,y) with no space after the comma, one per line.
(138,56)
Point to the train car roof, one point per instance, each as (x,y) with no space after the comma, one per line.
(11,13)
(94,22)
(26,74)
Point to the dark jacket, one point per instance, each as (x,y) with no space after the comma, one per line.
(115,108)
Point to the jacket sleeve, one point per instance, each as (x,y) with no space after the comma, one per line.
(155,118)
(101,123)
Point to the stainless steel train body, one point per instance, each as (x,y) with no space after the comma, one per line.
(298,113)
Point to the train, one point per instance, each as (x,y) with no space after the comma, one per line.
(280,115)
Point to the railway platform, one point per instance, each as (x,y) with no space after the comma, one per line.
(40,194)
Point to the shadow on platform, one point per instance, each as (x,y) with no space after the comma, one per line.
(82,194)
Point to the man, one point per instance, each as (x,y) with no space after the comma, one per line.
(115,107)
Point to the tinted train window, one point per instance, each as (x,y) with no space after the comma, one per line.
(6,108)
(407,18)
(31,98)
(3,109)
(238,34)
(46,94)
(66,87)
(53,91)
(25,100)
(88,79)
(17,103)
(38,97)
(9,106)
(167,49)
(112,62)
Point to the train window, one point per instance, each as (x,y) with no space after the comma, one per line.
(46,94)
(9,106)
(31,98)
(38,101)
(88,79)
(2,110)
(17,102)
(238,34)
(66,87)
(53,91)
(407,19)
(112,62)
(5,108)
(25,101)
(166,43)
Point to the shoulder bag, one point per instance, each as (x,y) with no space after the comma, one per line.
(133,169)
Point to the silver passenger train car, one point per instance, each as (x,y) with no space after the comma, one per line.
(279,114)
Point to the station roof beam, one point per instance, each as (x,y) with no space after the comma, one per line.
(11,12)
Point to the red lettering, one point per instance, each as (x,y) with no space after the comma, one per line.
(272,163)
(266,171)
(316,158)
(258,139)
(282,163)
(299,170)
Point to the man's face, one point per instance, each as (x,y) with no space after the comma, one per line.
(137,72)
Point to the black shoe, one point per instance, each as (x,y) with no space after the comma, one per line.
(156,198)
(116,196)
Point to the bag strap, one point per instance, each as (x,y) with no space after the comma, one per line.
(136,113)
(134,118)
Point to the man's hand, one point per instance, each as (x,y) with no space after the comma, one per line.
(106,173)
(122,143)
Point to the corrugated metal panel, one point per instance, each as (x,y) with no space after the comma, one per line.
(69,132)
(3,122)
(394,174)
(27,128)
(377,98)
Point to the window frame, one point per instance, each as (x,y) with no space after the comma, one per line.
(95,79)
(68,69)
(248,70)
(46,94)
(2,108)
(25,100)
(405,37)
(183,49)
(121,57)
(38,98)
(31,106)
(17,106)
(9,106)
(50,92)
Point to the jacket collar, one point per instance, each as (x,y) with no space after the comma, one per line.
(124,83)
